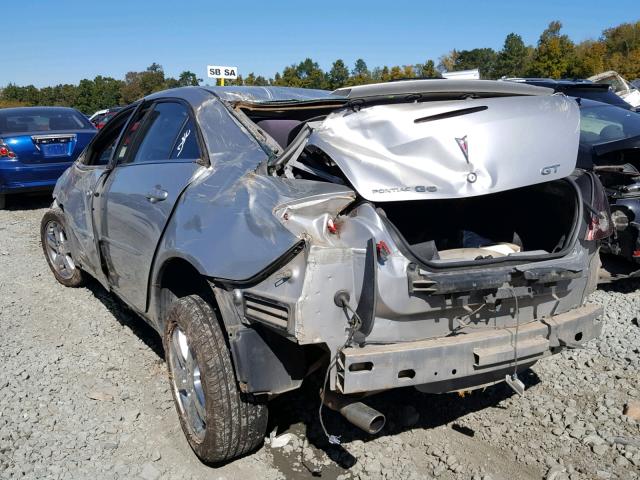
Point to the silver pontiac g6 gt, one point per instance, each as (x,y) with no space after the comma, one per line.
(433,234)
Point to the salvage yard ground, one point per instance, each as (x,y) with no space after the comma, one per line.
(84,394)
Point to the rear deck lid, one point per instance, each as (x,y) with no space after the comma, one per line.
(452,149)
(48,147)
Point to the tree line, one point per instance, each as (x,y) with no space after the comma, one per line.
(554,56)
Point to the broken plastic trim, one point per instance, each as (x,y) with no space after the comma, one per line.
(265,272)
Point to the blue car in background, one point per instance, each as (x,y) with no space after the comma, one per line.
(37,144)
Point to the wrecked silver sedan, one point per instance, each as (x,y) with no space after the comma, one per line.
(422,233)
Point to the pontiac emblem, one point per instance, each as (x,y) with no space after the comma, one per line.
(464,147)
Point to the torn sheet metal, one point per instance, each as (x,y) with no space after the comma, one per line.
(439,150)
(267,94)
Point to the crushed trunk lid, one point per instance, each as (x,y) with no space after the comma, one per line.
(451,149)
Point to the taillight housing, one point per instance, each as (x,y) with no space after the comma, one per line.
(600,223)
(5,151)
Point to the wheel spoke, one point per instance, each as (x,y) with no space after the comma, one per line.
(51,241)
(199,403)
(177,348)
(63,248)
(185,375)
(68,263)
(197,423)
(179,376)
(59,262)
(191,363)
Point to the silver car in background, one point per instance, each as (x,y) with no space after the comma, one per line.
(433,234)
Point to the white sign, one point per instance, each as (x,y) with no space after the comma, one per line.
(463,75)
(218,71)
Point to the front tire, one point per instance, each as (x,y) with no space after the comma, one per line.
(3,201)
(219,421)
(55,244)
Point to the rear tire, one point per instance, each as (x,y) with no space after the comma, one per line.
(3,201)
(56,248)
(219,421)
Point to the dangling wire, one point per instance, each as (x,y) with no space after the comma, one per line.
(354,325)
(515,343)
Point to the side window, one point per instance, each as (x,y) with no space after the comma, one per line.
(130,135)
(166,133)
(104,146)
(186,145)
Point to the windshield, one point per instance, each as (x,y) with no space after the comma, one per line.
(29,120)
(605,123)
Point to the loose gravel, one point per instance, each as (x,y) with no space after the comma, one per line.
(84,394)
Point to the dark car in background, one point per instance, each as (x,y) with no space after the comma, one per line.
(37,144)
(610,146)
(578,88)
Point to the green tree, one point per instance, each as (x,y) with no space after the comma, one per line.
(447,62)
(106,92)
(589,58)
(188,79)
(306,74)
(481,58)
(554,55)
(623,39)
(428,70)
(360,74)
(254,80)
(338,75)
(311,74)
(170,82)
(511,61)
(140,84)
(622,44)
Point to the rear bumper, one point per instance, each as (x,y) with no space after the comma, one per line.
(19,177)
(466,360)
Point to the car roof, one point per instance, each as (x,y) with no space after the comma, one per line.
(284,95)
(268,93)
(34,109)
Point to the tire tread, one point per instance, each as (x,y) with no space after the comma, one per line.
(238,423)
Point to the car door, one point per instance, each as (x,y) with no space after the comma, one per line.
(78,194)
(156,159)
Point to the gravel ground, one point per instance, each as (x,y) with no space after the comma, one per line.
(83,394)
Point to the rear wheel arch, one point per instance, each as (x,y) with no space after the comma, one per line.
(175,279)
(179,278)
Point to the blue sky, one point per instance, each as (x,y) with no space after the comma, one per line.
(47,42)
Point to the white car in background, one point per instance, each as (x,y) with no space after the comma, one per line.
(97,113)
(628,92)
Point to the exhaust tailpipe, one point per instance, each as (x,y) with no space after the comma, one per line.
(364,417)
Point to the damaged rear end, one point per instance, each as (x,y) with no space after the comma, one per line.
(457,245)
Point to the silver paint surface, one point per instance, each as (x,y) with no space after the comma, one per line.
(387,156)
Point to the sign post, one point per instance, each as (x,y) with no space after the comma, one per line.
(221,72)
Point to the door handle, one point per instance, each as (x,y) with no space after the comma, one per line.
(157,195)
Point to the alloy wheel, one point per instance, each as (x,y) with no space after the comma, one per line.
(58,250)
(186,380)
